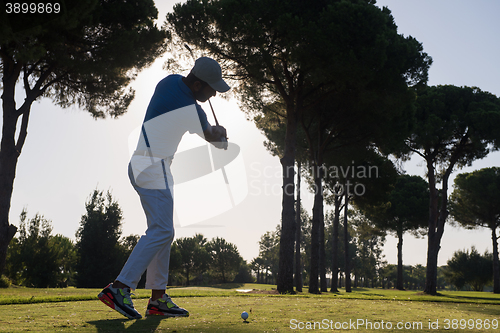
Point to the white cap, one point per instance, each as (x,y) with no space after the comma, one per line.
(208,70)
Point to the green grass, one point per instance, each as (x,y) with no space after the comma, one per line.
(218,308)
(20,295)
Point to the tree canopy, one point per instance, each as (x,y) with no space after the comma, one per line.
(86,54)
(475,201)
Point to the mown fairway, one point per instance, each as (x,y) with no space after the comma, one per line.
(218,309)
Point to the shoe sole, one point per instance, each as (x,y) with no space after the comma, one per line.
(109,302)
(161,313)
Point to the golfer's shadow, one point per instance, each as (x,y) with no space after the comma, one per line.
(149,324)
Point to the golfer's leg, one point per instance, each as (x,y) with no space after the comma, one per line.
(158,206)
(157,273)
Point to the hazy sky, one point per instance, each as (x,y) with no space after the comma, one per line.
(68,154)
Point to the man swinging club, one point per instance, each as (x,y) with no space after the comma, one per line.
(172,111)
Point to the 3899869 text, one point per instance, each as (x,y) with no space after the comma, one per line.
(470,324)
(32,8)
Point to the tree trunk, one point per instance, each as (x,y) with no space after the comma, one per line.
(9,154)
(287,240)
(335,245)
(431,271)
(432,247)
(298,265)
(315,233)
(322,257)
(322,253)
(7,231)
(437,216)
(346,244)
(496,268)
(399,281)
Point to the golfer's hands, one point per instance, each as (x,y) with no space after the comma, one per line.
(220,135)
(219,132)
(217,136)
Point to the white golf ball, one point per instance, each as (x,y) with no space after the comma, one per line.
(244,315)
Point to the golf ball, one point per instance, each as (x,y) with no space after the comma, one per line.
(244,315)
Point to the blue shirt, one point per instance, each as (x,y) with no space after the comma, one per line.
(171,94)
(171,113)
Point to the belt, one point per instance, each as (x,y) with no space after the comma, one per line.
(148,154)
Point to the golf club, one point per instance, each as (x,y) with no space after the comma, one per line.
(213,112)
(192,57)
(209,102)
(226,180)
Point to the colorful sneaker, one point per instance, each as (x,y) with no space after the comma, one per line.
(165,307)
(119,300)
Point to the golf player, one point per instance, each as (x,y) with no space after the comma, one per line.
(172,111)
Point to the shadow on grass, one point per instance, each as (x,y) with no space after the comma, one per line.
(489,299)
(227,285)
(481,309)
(366,292)
(149,324)
(447,297)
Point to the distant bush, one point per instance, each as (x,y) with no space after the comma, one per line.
(244,274)
(38,259)
(4,282)
(469,270)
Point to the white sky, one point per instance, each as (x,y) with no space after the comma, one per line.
(68,154)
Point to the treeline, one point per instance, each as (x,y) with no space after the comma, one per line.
(195,261)
(368,267)
(466,270)
(37,258)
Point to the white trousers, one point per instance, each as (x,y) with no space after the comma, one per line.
(154,184)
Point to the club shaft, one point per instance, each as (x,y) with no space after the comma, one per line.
(213,112)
